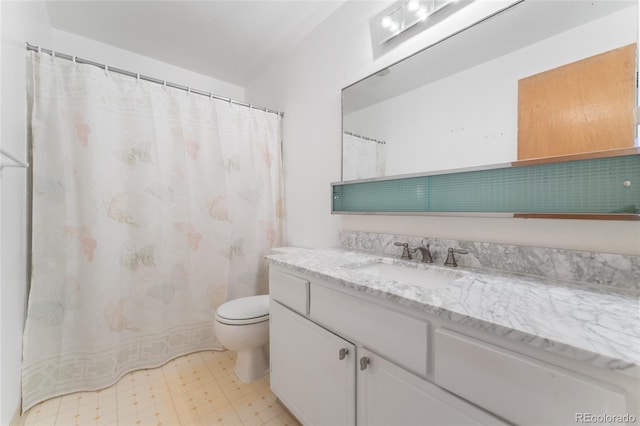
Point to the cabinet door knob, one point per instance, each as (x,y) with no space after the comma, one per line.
(364,361)
(343,353)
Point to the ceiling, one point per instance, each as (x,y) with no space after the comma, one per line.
(228,40)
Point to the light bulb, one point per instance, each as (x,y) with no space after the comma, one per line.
(387,22)
(394,26)
(422,13)
(413,5)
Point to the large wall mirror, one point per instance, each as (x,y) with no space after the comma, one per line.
(464,102)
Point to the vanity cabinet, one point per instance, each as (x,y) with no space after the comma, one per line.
(341,357)
(325,370)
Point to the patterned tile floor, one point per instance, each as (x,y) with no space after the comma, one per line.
(196,389)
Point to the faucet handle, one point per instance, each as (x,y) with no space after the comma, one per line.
(451,259)
(405,250)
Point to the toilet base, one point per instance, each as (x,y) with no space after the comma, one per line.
(251,364)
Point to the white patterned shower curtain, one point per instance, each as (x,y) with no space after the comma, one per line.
(151,207)
(362,158)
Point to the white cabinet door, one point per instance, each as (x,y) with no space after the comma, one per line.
(390,395)
(312,370)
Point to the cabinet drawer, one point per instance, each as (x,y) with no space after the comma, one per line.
(391,334)
(292,292)
(517,388)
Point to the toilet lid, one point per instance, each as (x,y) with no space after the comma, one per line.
(245,308)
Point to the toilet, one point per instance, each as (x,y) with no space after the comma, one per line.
(242,325)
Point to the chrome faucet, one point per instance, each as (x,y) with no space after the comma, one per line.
(451,259)
(405,250)
(425,252)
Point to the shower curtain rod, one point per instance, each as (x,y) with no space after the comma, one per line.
(150,79)
(364,138)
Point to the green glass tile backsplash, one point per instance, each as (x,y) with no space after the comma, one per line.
(586,186)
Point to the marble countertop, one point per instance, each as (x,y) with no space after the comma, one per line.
(585,323)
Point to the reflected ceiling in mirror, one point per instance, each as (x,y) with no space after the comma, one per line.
(455,104)
(407,14)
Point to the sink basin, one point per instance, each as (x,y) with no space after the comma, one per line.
(431,278)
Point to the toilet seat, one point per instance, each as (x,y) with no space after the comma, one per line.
(244,311)
(242,321)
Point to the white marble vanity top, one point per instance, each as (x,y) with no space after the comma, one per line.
(585,323)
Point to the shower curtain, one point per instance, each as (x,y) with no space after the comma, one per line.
(362,158)
(151,207)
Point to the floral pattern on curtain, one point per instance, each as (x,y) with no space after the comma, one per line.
(151,207)
(362,158)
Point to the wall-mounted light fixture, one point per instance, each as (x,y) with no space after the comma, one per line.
(406,14)
(403,16)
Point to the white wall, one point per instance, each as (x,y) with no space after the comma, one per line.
(306,84)
(96,51)
(21,22)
